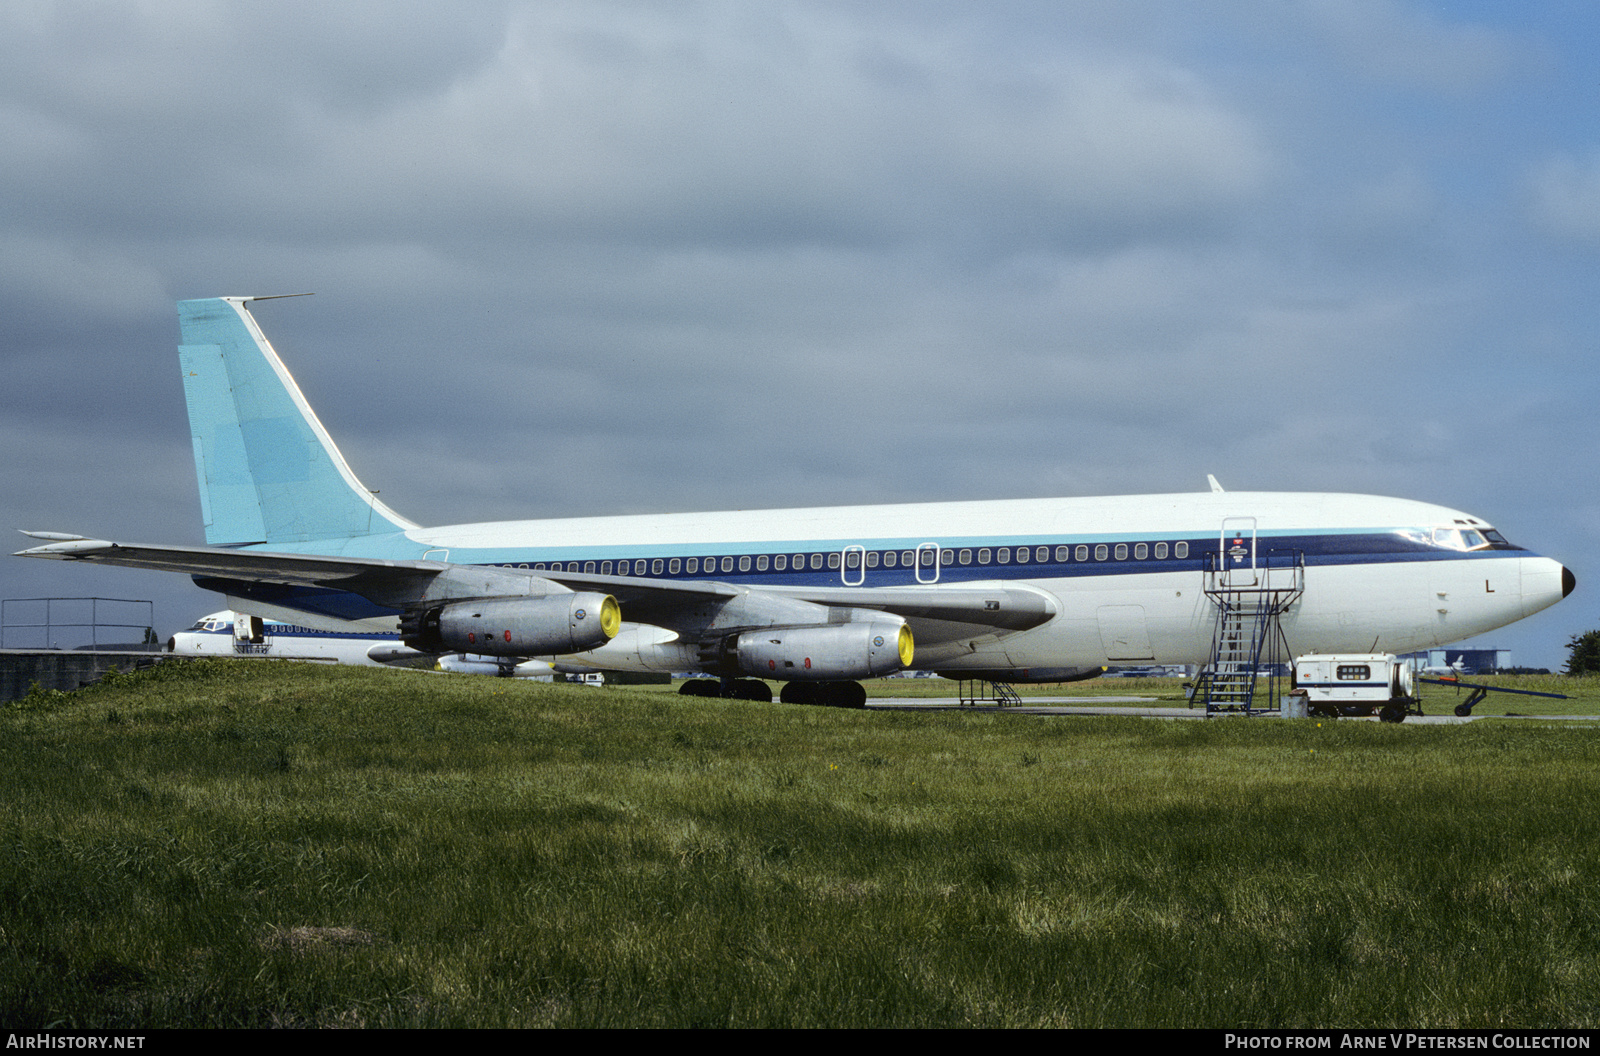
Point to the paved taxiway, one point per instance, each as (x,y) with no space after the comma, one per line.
(1138,709)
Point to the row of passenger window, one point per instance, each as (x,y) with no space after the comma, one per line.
(853,558)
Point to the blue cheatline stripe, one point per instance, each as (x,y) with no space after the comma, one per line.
(1326,550)
(284,630)
(1344,547)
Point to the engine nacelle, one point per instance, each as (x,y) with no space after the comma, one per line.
(828,653)
(543,626)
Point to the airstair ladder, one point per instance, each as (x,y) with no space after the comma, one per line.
(1248,633)
(1000,693)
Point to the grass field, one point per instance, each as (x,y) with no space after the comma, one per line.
(236,844)
(1583,693)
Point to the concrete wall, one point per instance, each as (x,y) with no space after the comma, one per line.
(61,669)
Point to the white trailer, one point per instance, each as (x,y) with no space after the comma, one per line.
(1335,684)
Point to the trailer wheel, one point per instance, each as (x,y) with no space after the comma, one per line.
(1392,713)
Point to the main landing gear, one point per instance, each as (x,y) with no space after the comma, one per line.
(728,688)
(825,694)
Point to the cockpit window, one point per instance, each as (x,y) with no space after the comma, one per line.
(1456,537)
(1460,539)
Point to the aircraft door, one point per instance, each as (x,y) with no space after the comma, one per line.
(1123,633)
(928,563)
(248,631)
(1236,552)
(853,569)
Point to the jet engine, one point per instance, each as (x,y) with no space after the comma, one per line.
(826,653)
(543,626)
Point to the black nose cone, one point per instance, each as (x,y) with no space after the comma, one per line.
(1568,581)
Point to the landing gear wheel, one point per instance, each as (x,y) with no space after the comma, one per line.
(842,694)
(700,687)
(751,689)
(798,693)
(825,694)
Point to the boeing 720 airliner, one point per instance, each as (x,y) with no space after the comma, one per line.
(1025,590)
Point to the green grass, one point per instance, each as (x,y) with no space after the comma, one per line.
(238,844)
(1583,691)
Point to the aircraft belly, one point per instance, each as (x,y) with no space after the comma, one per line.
(973,653)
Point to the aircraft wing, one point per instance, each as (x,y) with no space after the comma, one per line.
(257,566)
(673,605)
(265,566)
(938,613)
(396,584)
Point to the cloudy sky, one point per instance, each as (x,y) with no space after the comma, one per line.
(612,257)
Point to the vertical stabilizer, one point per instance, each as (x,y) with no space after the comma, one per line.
(268,471)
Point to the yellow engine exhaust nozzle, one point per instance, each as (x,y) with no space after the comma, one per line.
(610,617)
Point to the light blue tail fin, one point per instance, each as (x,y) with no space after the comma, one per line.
(268,471)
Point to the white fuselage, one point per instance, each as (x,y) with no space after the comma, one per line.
(1123,575)
(213,635)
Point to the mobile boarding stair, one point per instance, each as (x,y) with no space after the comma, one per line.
(1251,590)
(970,692)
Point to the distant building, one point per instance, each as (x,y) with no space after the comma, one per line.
(1465,661)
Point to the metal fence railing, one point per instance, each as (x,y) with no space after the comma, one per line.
(39,623)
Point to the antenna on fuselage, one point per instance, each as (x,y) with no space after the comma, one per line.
(1215,487)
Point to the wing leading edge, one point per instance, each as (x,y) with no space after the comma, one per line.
(937,613)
